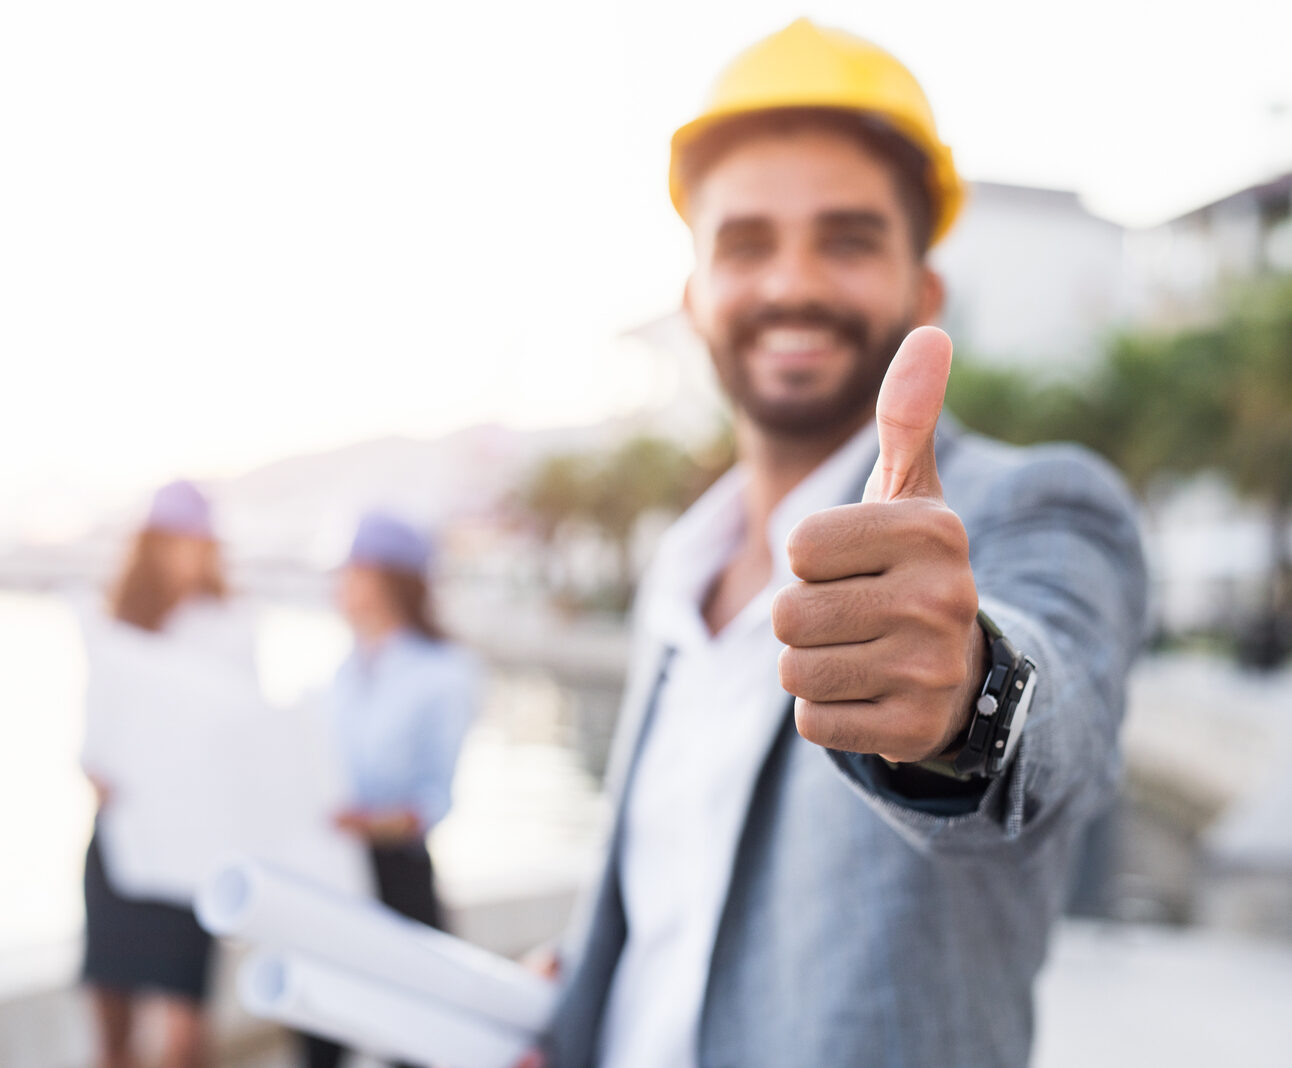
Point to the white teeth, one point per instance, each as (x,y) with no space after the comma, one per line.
(795,339)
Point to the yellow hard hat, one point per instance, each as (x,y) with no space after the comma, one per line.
(806,66)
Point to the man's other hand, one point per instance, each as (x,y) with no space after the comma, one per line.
(543,961)
(884,653)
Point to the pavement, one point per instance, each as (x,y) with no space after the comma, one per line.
(1126,995)
(1139,995)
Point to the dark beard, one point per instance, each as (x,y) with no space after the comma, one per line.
(823,416)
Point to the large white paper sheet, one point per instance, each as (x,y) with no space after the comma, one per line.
(381,1019)
(202,769)
(266,906)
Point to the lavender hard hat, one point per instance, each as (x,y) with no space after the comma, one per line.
(386,541)
(180,508)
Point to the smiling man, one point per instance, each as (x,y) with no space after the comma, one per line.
(879,666)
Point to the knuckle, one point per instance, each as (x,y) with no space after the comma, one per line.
(954,535)
(943,602)
(805,541)
(814,723)
(788,616)
(940,606)
(966,600)
(792,672)
(941,531)
(952,602)
(811,674)
(936,673)
(920,604)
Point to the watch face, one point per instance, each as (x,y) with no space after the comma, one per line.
(1020,710)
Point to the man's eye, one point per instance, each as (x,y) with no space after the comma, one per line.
(851,244)
(746,248)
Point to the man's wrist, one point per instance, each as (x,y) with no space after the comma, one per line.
(980,661)
(1000,712)
(941,763)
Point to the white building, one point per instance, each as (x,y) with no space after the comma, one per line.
(1185,263)
(1033,276)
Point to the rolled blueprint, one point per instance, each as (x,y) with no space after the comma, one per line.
(253,901)
(321,999)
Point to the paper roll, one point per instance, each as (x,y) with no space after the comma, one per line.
(253,901)
(321,999)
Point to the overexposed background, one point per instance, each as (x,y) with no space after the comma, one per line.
(231,233)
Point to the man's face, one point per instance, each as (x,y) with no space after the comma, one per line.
(806,280)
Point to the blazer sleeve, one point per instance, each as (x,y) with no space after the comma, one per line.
(1057,559)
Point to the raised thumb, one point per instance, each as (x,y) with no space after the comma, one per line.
(906,416)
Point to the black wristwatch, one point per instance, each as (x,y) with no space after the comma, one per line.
(1001,709)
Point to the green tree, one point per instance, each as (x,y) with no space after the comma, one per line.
(1254,343)
(1167,404)
(1001,401)
(555,492)
(643,474)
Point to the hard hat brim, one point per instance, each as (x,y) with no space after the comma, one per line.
(945,187)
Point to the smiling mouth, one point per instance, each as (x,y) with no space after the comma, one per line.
(790,346)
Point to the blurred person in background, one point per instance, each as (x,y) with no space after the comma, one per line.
(865,873)
(172,588)
(402,703)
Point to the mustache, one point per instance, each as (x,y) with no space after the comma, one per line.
(849,327)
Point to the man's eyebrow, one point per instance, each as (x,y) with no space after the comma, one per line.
(738,223)
(855,218)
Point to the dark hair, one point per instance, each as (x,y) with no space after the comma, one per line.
(409,594)
(144,595)
(906,162)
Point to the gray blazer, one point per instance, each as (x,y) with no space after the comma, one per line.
(859,931)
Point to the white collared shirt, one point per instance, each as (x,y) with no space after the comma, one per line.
(688,800)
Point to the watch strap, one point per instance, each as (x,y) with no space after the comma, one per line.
(1006,689)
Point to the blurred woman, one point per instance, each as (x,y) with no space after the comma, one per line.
(402,703)
(171,587)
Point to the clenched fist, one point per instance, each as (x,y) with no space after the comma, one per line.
(884,653)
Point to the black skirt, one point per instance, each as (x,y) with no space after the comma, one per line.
(133,945)
(406,882)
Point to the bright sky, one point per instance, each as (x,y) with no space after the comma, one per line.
(230,232)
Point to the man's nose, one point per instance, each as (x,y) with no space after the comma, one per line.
(792,276)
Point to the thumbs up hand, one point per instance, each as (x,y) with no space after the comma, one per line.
(883,649)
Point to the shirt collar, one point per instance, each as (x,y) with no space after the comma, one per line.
(369,660)
(700,543)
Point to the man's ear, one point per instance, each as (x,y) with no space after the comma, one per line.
(931,297)
(688,305)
